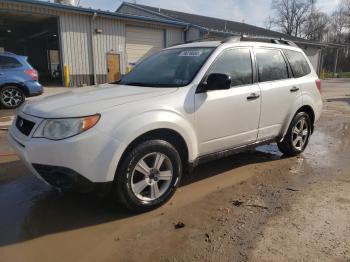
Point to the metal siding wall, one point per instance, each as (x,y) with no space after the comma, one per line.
(314,55)
(174,36)
(75,37)
(5,6)
(75,40)
(192,34)
(111,40)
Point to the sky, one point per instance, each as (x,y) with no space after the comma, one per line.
(250,11)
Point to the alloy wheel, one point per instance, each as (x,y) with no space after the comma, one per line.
(11,97)
(151,176)
(300,134)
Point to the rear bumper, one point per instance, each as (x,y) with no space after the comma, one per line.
(33,88)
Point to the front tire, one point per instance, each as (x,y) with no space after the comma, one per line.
(148,176)
(297,137)
(11,97)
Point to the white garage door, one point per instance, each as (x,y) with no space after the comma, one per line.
(142,42)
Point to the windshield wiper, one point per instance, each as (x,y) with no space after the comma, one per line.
(133,84)
(146,84)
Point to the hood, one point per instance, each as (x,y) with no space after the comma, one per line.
(89,100)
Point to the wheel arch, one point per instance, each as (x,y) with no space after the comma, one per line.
(165,125)
(169,135)
(308,110)
(22,87)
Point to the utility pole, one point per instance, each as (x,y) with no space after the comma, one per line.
(336,62)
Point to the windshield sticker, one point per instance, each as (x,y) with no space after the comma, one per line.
(180,81)
(191,53)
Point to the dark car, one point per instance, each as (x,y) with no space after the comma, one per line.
(18,80)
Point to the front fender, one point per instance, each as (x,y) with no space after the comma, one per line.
(128,130)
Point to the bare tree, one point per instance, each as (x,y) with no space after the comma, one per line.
(316,26)
(290,15)
(268,23)
(339,23)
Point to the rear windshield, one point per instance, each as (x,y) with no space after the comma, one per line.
(298,63)
(9,62)
(168,68)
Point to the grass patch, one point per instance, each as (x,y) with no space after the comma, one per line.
(338,75)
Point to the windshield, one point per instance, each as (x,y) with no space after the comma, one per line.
(168,68)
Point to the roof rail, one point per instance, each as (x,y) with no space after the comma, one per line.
(236,38)
(242,38)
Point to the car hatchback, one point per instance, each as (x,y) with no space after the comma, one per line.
(18,80)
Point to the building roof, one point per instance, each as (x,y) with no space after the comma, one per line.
(83,10)
(209,24)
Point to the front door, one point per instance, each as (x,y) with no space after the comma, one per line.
(113,67)
(229,118)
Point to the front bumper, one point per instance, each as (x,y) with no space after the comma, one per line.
(69,180)
(82,162)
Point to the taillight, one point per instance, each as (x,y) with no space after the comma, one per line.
(33,73)
(318,84)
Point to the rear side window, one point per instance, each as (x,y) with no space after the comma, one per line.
(9,62)
(271,65)
(236,63)
(298,63)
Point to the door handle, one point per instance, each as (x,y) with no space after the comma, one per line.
(253,96)
(294,89)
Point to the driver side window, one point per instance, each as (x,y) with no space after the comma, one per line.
(236,63)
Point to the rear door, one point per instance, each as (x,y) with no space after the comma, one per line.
(229,118)
(10,69)
(279,91)
(2,71)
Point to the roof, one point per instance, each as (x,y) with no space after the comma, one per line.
(209,24)
(99,12)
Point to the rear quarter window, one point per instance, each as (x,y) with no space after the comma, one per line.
(298,63)
(9,62)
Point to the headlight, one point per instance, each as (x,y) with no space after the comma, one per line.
(57,129)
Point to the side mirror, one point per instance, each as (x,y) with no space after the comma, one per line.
(216,82)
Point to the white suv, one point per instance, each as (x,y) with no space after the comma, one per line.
(176,109)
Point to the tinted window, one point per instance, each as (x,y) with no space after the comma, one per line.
(271,65)
(168,68)
(237,63)
(9,62)
(298,63)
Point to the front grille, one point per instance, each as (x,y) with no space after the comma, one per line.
(24,125)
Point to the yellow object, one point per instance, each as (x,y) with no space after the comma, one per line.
(323,74)
(66,76)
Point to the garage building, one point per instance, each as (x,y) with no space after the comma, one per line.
(99,46)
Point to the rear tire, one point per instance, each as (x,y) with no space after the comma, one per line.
(297,137)
(11,97)
(148,176)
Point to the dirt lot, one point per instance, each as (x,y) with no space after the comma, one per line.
(255,206)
